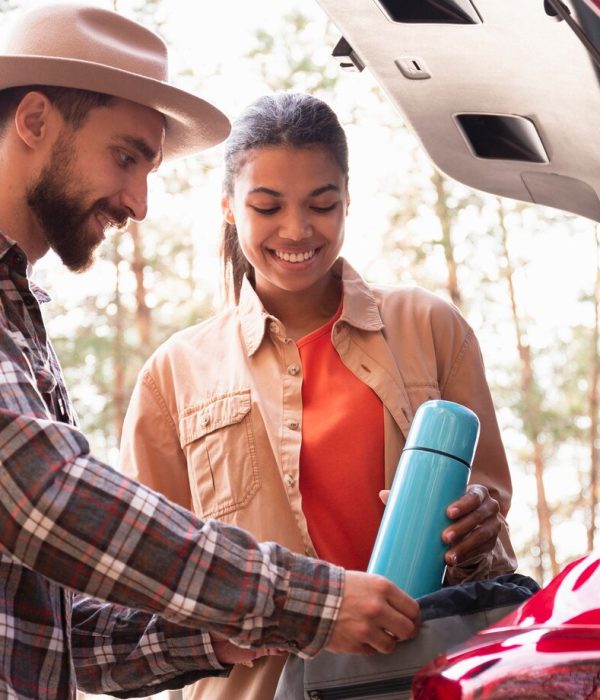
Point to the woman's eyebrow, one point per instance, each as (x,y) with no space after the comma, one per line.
(314,193)
(325,188)
(266,190)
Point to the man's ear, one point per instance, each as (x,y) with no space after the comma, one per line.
(32,118)
(226,209)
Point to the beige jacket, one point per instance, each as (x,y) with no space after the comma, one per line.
(215,421)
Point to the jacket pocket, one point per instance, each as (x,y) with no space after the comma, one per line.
(220,449)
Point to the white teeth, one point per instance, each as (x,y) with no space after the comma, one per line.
(105,222)
(295,257)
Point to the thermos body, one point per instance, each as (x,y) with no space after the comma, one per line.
(433,472)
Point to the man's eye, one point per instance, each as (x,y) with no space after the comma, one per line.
(124,159)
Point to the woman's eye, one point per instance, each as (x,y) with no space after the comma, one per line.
(266,210)
(325,209)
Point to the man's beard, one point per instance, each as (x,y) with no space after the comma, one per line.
(60,208)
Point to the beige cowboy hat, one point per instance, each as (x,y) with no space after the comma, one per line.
(86,47)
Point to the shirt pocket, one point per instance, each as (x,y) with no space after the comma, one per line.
(218,441)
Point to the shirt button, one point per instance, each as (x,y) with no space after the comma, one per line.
(289,480)
(293,424)
(293,369)
(19,259)
(205,420)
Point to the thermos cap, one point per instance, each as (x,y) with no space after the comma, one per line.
(445,426)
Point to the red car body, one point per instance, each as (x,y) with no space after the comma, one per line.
(549,647)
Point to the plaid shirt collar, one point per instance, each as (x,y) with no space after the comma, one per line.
(10,248)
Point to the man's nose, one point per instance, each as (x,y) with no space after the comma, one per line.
(134,198)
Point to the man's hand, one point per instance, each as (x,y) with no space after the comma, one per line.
(476,525)
(374,615)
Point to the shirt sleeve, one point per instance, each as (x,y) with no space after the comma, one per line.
(85,526)
(129,653)
(464,381)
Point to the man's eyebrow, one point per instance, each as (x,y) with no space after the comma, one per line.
(314,193)
(144,149)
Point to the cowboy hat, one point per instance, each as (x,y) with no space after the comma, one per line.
(85,47)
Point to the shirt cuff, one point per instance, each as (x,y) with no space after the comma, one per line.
(307,600)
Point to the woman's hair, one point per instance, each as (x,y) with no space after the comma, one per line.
(283,119)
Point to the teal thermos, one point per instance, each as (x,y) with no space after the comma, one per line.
(433,472)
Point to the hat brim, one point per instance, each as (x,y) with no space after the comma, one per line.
(192,124)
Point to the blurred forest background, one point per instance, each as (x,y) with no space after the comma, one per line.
(526,278)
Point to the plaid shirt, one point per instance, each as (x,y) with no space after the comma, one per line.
(68,521)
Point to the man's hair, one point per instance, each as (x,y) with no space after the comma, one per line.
(73,104)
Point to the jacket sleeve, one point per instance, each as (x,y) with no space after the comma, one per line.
(150,449)
(85,526)
(464,381)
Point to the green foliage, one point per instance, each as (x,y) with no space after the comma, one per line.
(293,58)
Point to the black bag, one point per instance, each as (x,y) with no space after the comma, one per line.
(449,616)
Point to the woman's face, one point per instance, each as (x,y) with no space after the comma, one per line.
(289,206)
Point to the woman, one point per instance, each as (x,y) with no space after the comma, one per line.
(287,413)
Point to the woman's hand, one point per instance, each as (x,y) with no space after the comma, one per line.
(476,525)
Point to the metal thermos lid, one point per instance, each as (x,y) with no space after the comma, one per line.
(447,427)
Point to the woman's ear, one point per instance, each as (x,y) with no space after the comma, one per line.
(32,119)
(226,209)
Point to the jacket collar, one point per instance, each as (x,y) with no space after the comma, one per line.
(253,317)
(359,307)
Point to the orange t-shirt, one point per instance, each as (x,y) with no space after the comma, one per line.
(342,454)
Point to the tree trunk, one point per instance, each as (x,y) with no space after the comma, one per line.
(445,218)
(530,408)
(143,318)
(593,403)
(119,345)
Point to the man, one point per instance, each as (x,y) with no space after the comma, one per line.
(74,163)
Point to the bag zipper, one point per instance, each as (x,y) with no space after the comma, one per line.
(363,690)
